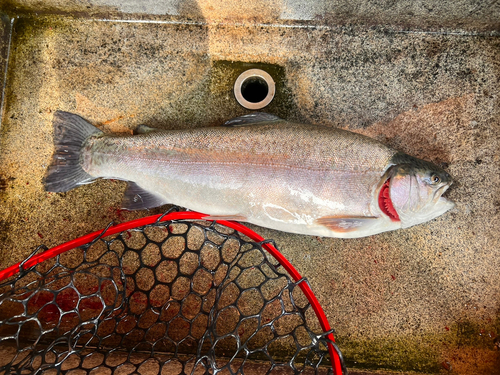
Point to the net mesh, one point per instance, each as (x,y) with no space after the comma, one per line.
(168,298)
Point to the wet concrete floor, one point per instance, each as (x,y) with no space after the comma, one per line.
(424,299)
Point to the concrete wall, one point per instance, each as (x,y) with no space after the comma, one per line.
(420,76)
(423,14)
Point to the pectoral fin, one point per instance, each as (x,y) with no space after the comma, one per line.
(345,224)
(136,198)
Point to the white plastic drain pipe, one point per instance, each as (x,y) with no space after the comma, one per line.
(254,89)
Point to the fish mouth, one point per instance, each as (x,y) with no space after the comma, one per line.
(443,203)
(385,202)
(439,192)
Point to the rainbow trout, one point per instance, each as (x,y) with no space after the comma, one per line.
(259,169)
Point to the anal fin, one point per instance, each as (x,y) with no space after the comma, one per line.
(345,224)
(136,198)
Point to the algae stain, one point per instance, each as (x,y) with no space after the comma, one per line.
(396,353)
(27,27)
(480,335)
(464,345)
(26,51)
(224,74)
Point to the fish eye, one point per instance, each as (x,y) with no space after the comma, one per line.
(435,179)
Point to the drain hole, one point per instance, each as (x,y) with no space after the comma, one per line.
(254,89)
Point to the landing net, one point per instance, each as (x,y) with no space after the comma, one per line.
(163,295)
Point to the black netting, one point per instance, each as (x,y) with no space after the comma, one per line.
(168,298)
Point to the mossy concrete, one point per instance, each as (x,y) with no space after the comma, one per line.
(423,299)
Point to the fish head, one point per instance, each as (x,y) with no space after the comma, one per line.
(412,192)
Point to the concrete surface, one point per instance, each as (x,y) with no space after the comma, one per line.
(5,34)
(424,299)
(473,15)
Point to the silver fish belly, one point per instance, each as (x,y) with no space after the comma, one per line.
(297,178)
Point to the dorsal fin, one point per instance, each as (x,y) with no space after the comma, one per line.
(252,118)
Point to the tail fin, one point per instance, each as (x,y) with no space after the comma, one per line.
(70,133)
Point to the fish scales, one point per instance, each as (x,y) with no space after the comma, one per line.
(261,172)
(286,145)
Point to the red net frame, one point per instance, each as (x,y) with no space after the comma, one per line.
(334,353)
